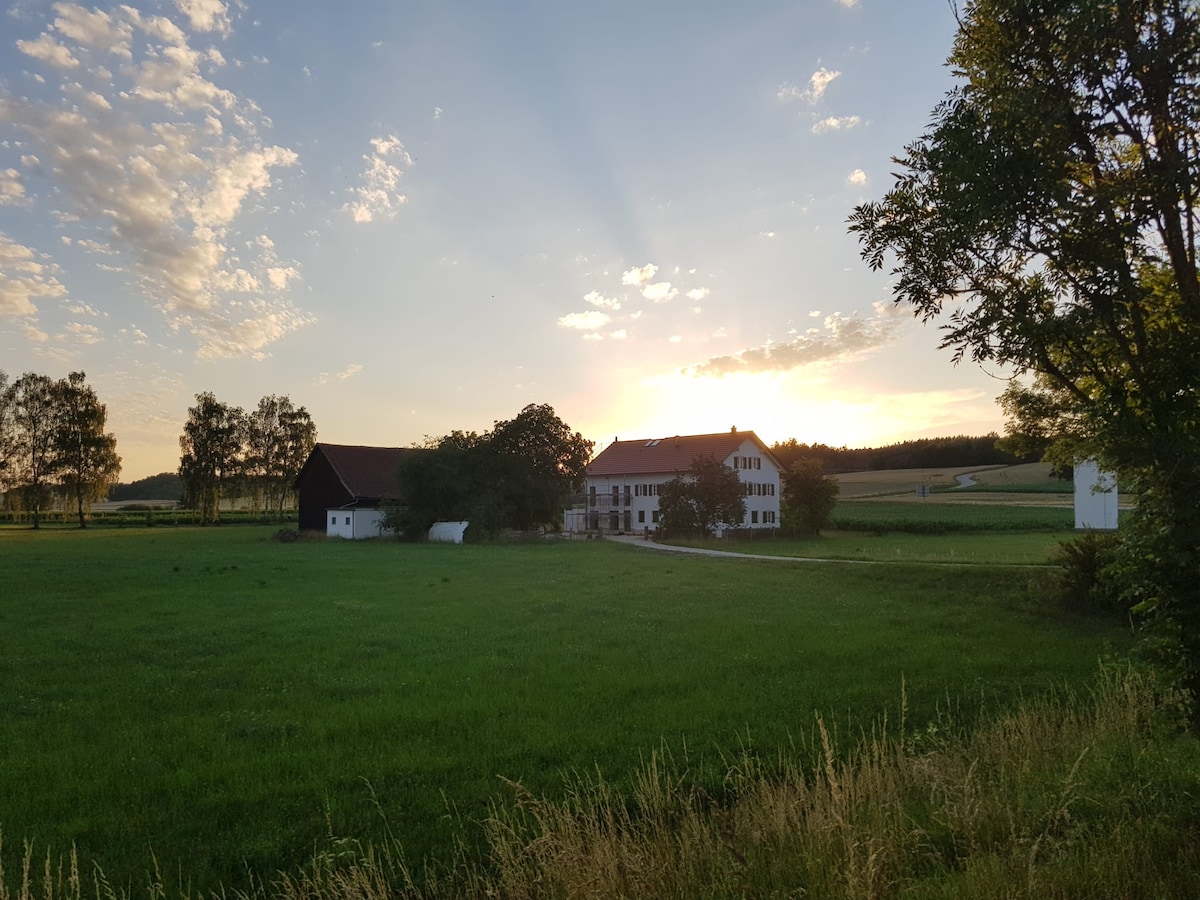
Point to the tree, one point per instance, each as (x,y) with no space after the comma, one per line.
(537,462)
(809,496)
(519,475)
(84,454)
(1048,219)
(8,447)
(708,495)
(35,424)
(210,453)
(278,439)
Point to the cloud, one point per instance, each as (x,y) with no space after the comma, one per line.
(835,123)
(280,276)
(597,299)
(23,279)
(84,334)
(349,372)
(378,198)
(585,321)
(697,294)
(842,338)
(12,190)
(659,292)
(206,15)
(849,4)
(817,83)
(638,276)
(49,51)
(155,166)
(857,177)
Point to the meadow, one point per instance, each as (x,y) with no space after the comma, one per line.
(221,704)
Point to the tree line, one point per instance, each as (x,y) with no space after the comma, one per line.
(53,443)
(925,453)
(517,476)
(229,453)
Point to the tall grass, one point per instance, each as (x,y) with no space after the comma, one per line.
(1068,795)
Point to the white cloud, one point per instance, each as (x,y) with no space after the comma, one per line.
(84,334)
(619,335)
(23,279)
(206,15)
(858,177)
(849,4)
(378,198)
(12,189)
(835,123)
(280,277)
(766,234)
(659,292)
(49,51)
(597,299)
(638,276)
(585,321)
(697,294)
(842,338)
(161,161)
(437,112)
(95,30)
(817,83)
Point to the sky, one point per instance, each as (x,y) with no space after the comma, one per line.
(415,217)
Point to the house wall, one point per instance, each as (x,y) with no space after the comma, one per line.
(1095,497)
(637,495)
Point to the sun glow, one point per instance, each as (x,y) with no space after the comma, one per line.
(778,406)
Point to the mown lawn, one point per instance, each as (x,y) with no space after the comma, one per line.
(225,701)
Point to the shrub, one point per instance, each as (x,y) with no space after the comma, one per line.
(1087,582)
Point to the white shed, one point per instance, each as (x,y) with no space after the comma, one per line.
(1095,497)
(355,523)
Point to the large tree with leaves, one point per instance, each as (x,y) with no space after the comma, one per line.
(8,433)
(85,455)
(35,423)
(707,496)
(278,438)
(1048,220)
(210,453)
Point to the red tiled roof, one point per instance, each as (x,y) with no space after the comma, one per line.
(367,471)
(671,454)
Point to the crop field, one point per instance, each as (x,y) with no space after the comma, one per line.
(226,704)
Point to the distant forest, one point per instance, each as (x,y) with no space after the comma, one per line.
(960,450)
(163,486)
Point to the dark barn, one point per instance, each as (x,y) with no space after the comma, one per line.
(339,476)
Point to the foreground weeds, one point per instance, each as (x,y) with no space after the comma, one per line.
(1068,796)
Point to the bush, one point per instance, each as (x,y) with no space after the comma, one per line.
(1087,582)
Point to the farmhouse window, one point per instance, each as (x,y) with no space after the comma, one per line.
(641,516)
(654,516)
(347,520)
(754,517)
(333,520)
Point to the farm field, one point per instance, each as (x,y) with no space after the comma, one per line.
(1029,484)
(227,703)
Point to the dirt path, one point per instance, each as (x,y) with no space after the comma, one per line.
(643,544)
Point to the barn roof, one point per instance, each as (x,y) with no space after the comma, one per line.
(367,472)
(648,456)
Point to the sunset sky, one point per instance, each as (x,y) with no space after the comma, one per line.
(413,217)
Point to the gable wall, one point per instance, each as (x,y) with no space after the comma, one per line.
(320,489)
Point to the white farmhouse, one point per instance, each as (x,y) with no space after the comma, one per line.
(623,481)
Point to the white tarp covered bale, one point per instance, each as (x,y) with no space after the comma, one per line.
(1095,497)
(448,532)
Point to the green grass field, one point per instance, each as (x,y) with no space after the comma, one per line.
(223,701)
